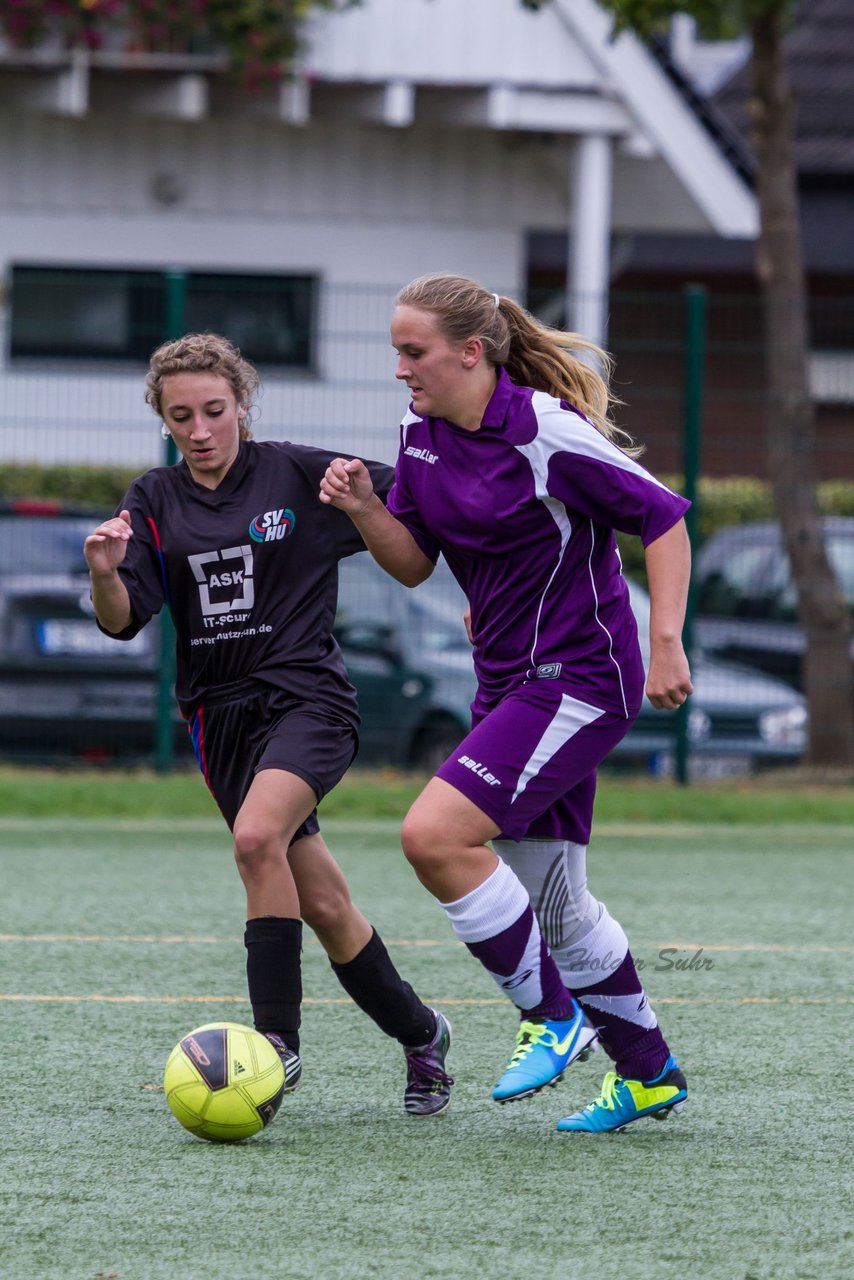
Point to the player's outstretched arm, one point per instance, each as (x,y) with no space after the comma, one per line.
(347,485)
(104,551)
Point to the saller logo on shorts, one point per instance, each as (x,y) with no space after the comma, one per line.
(549,671)
(480,769)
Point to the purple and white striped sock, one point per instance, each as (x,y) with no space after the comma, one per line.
(618,1007)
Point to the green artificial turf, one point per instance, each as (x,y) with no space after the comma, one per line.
(118,940)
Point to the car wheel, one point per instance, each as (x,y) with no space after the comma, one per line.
(434,743)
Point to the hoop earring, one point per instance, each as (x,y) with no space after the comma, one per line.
(165,432)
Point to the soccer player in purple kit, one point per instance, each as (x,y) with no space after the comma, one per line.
(233,540)
(510,467)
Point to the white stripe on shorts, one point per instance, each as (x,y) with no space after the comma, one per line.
(571,716)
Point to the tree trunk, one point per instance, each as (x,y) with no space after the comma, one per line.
(828,669)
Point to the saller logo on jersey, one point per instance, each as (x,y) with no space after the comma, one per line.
(424,454)
(272,525)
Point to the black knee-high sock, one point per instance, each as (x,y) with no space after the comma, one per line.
(372,982)
(273,969)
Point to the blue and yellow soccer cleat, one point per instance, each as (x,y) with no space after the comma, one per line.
(544,1049)
(622,1101)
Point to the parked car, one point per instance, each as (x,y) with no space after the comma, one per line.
(414,633)
(66,689)
(746,599)
(738,719)
(735,715)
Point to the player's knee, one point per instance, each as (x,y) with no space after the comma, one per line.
(423,842)
(255,847)
(326,911)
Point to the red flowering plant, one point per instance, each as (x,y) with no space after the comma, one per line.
(28,24)
(261,37)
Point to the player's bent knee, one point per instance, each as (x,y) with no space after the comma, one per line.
(326,913)
(423,843)
(255,848)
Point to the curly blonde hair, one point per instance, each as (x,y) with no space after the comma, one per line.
(204,353)
(533,354)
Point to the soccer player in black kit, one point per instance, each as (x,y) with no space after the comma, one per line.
(233,540)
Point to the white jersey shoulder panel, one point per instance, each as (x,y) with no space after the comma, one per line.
(562,431)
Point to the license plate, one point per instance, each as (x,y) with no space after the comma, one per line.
(70,638)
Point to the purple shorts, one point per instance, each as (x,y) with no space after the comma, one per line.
(530,763)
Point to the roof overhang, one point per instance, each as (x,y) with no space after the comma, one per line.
(399,64)
(665,119)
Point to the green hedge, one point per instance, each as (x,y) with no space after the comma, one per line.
(732,500)
(101,486)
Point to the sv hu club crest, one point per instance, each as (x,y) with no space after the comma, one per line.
(272,526)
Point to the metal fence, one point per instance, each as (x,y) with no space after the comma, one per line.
(690,372)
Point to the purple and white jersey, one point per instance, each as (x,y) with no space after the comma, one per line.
(524,510)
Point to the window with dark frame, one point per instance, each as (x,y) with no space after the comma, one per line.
(110,314)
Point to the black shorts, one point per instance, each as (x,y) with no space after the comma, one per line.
(269,729)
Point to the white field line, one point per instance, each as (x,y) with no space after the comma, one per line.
(799,833)
(433,1000)
(181,939)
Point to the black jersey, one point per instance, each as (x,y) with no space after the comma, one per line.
(249,571)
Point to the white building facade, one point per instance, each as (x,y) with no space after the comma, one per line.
(414,136)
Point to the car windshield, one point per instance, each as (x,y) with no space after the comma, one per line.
(745,572)
(44,544)
(437,620)
(782,593)
(724,589)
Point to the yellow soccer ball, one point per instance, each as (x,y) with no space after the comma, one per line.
(224,1081)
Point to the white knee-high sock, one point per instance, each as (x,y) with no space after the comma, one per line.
(497,924)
